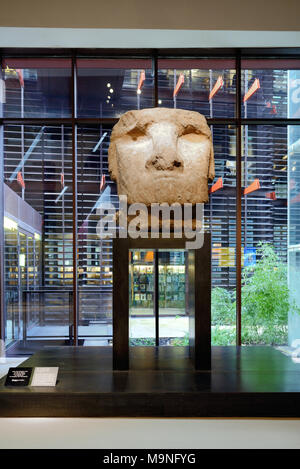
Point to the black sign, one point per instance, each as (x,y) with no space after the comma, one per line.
(18,377)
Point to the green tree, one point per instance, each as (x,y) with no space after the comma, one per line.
(265,299)
(222,306)
(265,303)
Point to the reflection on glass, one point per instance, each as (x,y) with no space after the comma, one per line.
(173,318)
(110,87)
(206,86)
(38,231)
(94,187)
(141,298)
(11,279)
(266,85)
(265,302)
(220,220)
(37,87)
(294,234)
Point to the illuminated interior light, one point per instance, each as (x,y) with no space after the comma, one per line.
(294,168)
(37,237)
(61,194)
(22,260)
(111,90)
(27,154)
(284,157)
(10,224)
(100,141)
(107,101)
(159,101)
(108,85)
(138,91)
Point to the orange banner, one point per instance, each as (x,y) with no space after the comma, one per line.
(178,85)
(217,185)
(102,183)
(219,83)
(20,180)
(253,88)
(253,187)
(141,80)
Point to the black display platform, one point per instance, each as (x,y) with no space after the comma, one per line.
(244,382)
(198,296)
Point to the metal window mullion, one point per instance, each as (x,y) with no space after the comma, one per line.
(155,68)
(238,200)
(2,250)
(74,190)
(156,295)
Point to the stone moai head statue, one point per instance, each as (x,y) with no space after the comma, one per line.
(162,155)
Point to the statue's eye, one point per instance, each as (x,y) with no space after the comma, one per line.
(192,136)
(190,129)
(136,133)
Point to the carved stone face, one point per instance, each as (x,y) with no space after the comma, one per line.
(162,155)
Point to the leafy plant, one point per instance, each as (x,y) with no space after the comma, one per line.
(265,299)
(222,306)
(142,341)
(265,303)
(223,335)
(180,341)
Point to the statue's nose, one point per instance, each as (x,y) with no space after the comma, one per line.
(163,161)
(164,156)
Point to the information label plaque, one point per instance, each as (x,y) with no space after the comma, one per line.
(44,376)
(18,377)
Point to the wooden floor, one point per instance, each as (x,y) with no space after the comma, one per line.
(244,382)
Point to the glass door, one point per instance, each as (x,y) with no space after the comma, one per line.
(163,321)
(173,318)
(23,279)
(141,298)
(11,280)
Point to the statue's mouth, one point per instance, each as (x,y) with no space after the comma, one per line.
(167,176)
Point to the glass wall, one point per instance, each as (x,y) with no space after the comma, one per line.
(38,231)
(57,124)
(38,87)
(94,254)
(203,85)
(265,302)
(220,220)
(110,87)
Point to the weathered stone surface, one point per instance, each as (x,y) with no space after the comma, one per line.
(162,155)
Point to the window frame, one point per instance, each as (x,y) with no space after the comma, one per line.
(154,54)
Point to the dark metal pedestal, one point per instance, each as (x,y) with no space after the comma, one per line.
(199,297)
